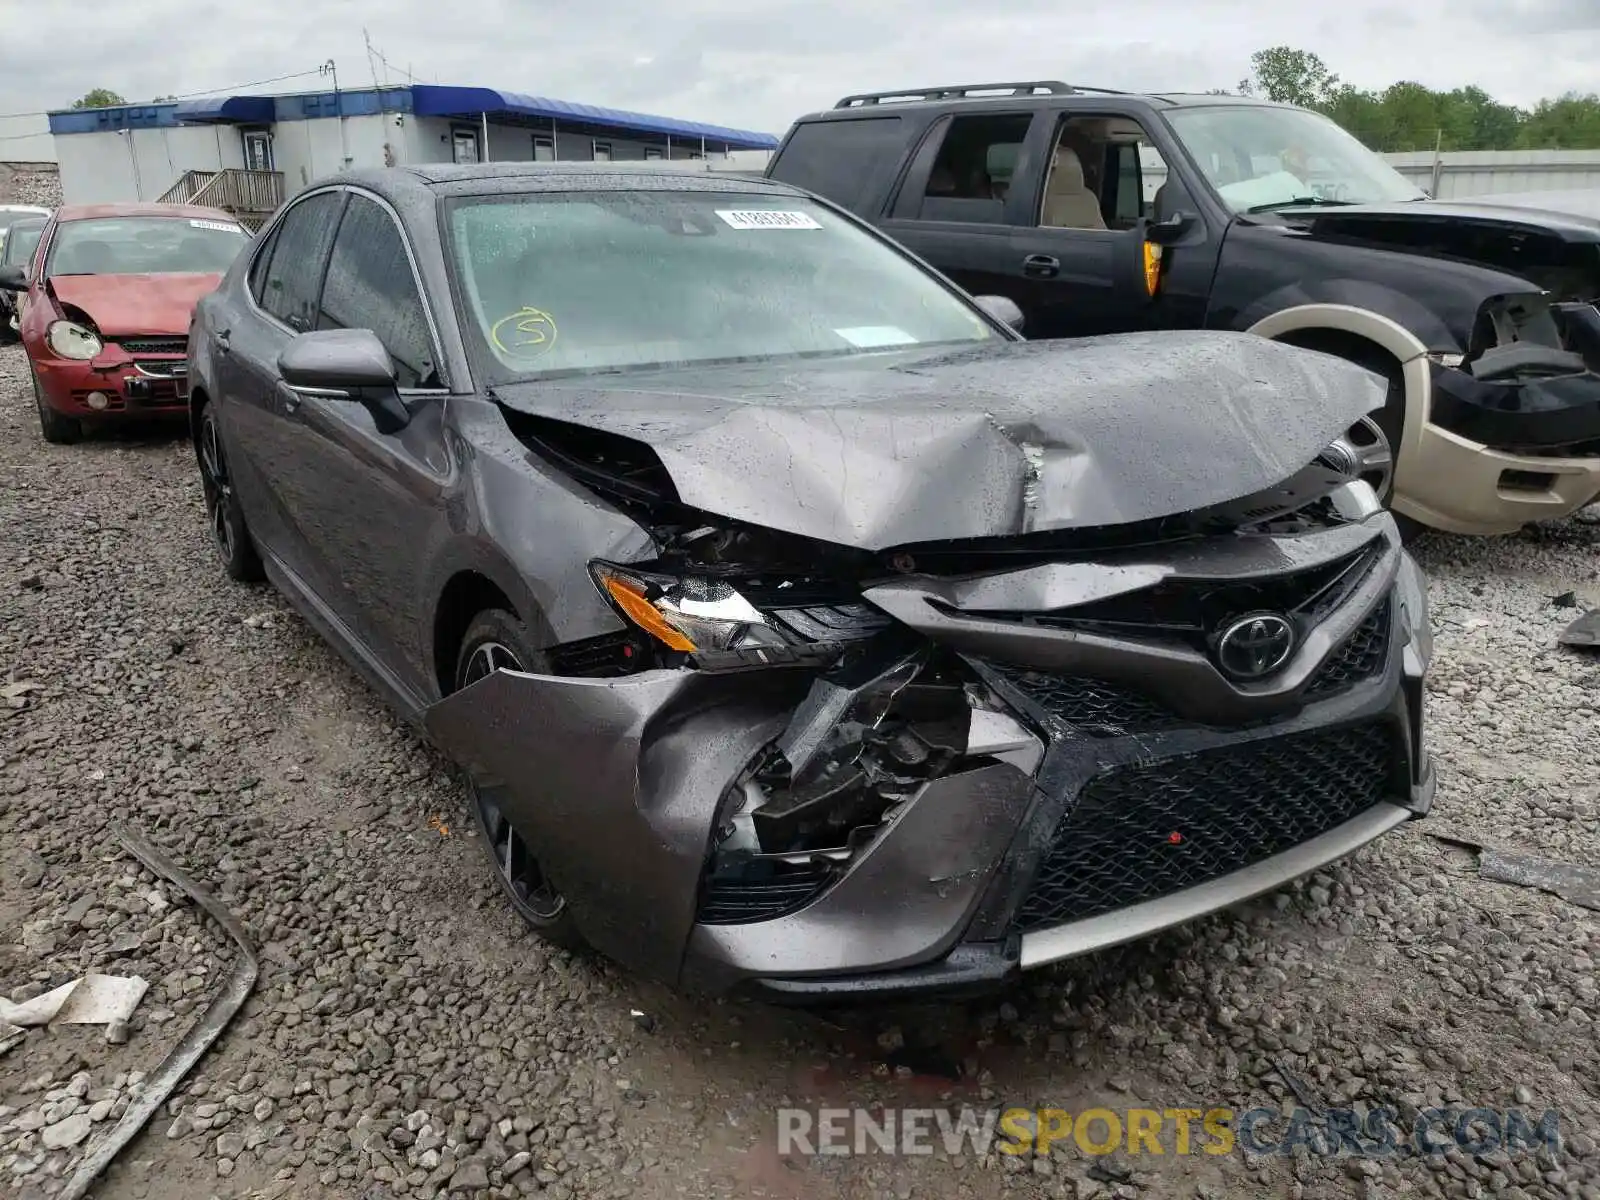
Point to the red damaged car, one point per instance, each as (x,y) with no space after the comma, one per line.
(105,315)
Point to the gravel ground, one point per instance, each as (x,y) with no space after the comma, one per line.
(408,1039)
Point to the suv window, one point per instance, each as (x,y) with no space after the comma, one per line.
(847,161)
(299,251)
(370,285)
(971,176)
(1104,173)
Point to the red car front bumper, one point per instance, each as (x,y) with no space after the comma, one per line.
(143,377)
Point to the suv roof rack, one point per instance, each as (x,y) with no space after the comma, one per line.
(1049,87)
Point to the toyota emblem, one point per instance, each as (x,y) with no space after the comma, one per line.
(1255,645)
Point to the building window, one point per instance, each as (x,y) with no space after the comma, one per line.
(652,152)
(544,148)
(602,152)
(464,146)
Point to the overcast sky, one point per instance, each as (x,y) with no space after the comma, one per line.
(758,65)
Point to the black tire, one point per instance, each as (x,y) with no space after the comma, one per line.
(57,428)
(496,640)
(229,534)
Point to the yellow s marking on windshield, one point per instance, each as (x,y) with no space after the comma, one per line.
(526,333)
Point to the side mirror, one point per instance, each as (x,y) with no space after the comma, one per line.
(1003,309)
(13,279)
(345,364)
(1169,230)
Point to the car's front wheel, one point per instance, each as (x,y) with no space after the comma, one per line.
(229,533)
(58,429)
(497,641)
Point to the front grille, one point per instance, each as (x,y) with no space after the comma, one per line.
(738,900)
(1103,709)
(1189,611)
(1227,809)
(1093,706)
(155,345)
(1362,656)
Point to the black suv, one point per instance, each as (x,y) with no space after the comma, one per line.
(1101,212)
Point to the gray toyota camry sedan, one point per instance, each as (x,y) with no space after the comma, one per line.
(801,627)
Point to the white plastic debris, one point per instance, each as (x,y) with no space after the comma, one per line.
(90,1000)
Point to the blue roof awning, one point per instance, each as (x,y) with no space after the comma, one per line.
(228,110)
(430,100)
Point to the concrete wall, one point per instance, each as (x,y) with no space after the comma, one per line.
(141,164)
(1485,172)
(26,140)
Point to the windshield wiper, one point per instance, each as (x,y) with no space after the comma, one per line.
(1298,202)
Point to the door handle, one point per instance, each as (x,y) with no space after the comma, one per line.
(1041,266)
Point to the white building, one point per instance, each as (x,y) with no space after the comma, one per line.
(250,153)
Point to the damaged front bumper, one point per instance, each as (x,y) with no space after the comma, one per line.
(1511,435)
(1004,780)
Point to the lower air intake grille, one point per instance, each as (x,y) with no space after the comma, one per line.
(1362,656)
(737,900)
(1139,832)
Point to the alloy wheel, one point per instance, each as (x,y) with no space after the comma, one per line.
(529,889)
(1374,456)
(218,491)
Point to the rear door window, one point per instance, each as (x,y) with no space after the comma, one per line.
(371,285)
(849,161)
(970,176)
(299,253)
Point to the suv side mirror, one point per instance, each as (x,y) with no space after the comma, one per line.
(1003,309)
(1169,230)
(345,364)
(13,279)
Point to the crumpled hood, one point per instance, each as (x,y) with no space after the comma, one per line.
(1010,438)
(1572,218)
(129,304)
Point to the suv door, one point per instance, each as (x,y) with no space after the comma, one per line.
(954,206)
(1080,251)
(364,500)
(281,300)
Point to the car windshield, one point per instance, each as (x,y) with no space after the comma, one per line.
(1260,158)
(145,246)
(21,240)
(571,282)
(10,216)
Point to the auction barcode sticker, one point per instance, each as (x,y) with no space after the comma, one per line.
(220,226)
(766,218)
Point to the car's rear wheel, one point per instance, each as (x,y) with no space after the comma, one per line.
(57,428)
(497,641)
(229,534)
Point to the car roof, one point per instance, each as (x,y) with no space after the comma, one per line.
(460,179)
(34,209)
(1072,98)
(90,212)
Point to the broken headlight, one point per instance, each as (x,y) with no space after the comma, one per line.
(720,626)
(68,339)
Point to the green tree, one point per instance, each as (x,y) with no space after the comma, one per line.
(99,98)
(1408,116)
(1570,122)
(1290,76)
